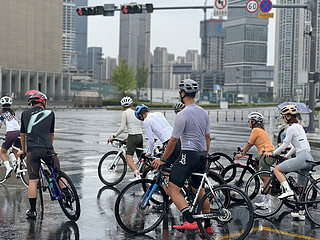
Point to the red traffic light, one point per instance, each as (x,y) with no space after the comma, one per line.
(124,10)
(79,11)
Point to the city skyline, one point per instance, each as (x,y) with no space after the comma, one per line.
(177,30)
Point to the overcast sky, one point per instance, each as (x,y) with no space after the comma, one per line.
(177,30)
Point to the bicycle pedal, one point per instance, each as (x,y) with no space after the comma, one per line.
(18,176)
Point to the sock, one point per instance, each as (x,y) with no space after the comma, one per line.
(187,215)
(7,164)
(207,223)
(285,185)
(33,202)
(136,173)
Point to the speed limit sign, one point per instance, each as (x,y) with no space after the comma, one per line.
(252,6)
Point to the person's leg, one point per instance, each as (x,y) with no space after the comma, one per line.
(5,158)
(33,165)
(131,147)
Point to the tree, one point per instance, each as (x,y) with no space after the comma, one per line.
(141,78)
(123,78)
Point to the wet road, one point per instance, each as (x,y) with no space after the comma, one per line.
(80,142)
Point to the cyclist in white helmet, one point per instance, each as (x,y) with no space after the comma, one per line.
(260,138)
(178,107)
(10,119)
(135,139)
(297,137)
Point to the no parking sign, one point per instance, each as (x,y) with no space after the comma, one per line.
(265,6)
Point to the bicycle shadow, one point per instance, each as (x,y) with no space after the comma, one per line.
(106,198)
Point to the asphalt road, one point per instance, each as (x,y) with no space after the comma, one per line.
(80,141)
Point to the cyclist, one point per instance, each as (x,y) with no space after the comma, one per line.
(155,122)
(10,119)
(259,137)
(135,139)
(37,134)
(297,137)
(178,107)
(192,126)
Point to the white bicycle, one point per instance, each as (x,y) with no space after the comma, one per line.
(19,167)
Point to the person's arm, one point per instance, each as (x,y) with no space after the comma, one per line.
(246,148)
(208,142)
(51,137)
(286,142)
(149,133)
(169,149)
(122,127)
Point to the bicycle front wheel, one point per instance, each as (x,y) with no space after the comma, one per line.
(112,169)
(264,204)
(232,222)
(69,203)
(224,161)
(134,213)
(312,197)
(24,172)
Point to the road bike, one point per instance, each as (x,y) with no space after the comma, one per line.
(112,166)
(60,187)
(139,211)
(19,167)
(221,163)
(305,198)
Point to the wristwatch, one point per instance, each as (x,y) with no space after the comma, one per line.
(162,159)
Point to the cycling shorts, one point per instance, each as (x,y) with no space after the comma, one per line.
(34,159)
(174,155)
(188,163)
(12,139)
(133,142)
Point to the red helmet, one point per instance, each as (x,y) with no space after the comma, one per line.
(38,97)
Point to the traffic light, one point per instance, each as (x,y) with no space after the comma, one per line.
(86,11)
(149,7)
(131,9)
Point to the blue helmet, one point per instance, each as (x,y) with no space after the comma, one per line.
(138,110)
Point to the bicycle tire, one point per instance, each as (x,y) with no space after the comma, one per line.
(254,190)
(145,219)
(70,200)
(24,175)
(232,222)
(237,175)
(224,160)
(112,176)
(312,197)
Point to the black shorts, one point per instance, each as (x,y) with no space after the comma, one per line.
(188,163)
(12,139)
(174,155)
(34,159)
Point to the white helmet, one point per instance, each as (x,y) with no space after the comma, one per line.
(188,86)
(126,101)
(6,100)
(258,117)
(178,106)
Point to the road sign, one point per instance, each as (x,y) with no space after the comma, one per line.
(252,6)
(265,15)
(265,6)
(220,8)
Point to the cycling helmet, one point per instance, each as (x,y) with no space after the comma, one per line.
(188,86)
(126,101)
(138,110)
(178,106)
(289,109)
(38,97)
(6,101)
(258,117)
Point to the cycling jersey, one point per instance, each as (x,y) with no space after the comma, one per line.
(297,137)
(38,124)
(10,120)
(128,119)
(191,125)
(156,123)
(260,138)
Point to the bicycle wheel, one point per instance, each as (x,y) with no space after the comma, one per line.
(69,203)
(224,161)
(232,222)
(237,175)
(130,212)
(149,173)
(216,180)
(112,169)
(2,172)
(312,197)
(255,189)
(24,172)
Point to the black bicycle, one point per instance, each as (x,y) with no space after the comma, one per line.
(139,211)
(305,198)
(60,187)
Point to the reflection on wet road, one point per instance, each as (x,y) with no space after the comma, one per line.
(80,142)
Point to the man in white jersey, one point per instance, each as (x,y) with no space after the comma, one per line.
(135,139)
(297,137)
(156,123)
(193,128)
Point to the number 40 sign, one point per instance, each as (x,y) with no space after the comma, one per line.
(252,6)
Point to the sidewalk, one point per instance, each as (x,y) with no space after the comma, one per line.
(314,138)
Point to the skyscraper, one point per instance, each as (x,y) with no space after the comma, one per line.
(161,69)
(68,36)
(246,47)
(95,61)
(134,39)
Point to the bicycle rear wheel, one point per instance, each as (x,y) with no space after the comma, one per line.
(232,222)
(133,214)
(69,203)
(24,172)
(112,169)
(224,161)
(255,189)
(312,196)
